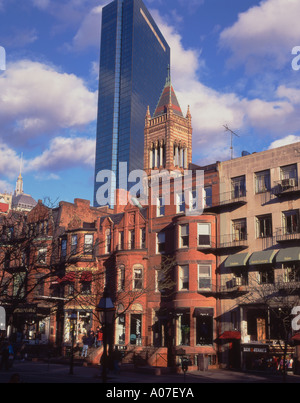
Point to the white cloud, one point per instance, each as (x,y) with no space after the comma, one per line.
(90,30)
(36,99)
(290,139)
(64,153)
(211,109)
(6,187)
(264,34)
(10,161)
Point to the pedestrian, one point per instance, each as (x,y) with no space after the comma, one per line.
(85,341)
(5,356)
(117,359)
(91,338)
(99,336)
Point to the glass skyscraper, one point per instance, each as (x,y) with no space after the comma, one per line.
(134,62)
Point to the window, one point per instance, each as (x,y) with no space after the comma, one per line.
(264,226)
(107,241)
(291,273)
(291,222)
(239,228)
(86,287)
(262,181)
(238,187)
(40,285)
(184,236)
(184,277)
(204,277)
(136,329)
(159,280)
(161,242)
(143,238)
(121,282)
(63,248)
(132,239)
(42,255)
(121,240)
(160,207)
(19,285)
(74,244)
(204,330)
(208,196)
(88,243)
(266,276)
(137,278)
(289,176)
(204,232)
(180,203)
(183,327)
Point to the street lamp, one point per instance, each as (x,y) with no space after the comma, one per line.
(72,319)
(106,311)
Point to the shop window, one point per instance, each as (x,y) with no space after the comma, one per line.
(136,329)
(204,330)
(120,329)
(183,328)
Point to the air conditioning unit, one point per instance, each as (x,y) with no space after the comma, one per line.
(288,183)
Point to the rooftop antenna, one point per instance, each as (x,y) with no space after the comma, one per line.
(231,133)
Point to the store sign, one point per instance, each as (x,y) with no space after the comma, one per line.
(255,349)
(2,318)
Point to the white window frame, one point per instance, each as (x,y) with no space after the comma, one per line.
(202,224)
(204,276)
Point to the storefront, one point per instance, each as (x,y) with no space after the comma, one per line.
(255,356)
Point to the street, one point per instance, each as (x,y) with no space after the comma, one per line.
(41,372)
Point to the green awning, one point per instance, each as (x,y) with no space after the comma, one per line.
(288,255)
(237,260)
(263,257)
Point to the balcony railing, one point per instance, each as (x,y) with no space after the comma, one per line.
(286,186)
(232,198)
(287,234)
(228,241)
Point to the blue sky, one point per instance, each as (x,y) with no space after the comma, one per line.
(231,62)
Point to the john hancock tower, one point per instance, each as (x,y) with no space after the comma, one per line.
(134,60)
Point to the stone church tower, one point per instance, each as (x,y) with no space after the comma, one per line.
(167,135)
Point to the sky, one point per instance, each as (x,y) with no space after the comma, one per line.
(231,62)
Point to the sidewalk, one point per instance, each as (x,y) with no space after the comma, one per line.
(41,372)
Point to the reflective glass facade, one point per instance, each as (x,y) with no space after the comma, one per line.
(134,59)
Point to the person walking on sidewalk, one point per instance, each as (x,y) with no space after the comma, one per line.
(85,341)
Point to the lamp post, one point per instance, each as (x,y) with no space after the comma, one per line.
(106,311)
(72,319)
